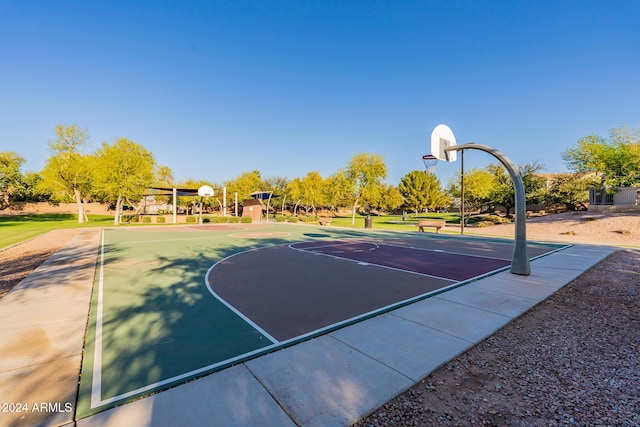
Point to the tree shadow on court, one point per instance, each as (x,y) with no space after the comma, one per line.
(161,323)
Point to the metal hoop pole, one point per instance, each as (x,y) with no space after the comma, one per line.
(520,261)
(461,191)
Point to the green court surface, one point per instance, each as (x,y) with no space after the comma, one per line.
(154,322)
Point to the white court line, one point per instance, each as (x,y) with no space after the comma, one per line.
(446,252)
(331,245)
(134,242)
(229,306)
(96,380)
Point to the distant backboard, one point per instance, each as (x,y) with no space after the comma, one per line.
(205,191)
(441,138)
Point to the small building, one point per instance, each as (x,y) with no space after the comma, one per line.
(252,208)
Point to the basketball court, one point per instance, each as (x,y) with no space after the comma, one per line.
(173,304)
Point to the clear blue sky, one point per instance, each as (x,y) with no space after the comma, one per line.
(216,88)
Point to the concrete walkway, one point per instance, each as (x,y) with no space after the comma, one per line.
(42,328)
(328,381)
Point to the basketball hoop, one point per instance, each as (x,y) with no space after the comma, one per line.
(430,161)
(205,191)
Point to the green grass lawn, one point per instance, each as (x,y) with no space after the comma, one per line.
(18,228)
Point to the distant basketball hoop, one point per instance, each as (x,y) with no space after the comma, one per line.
(205,191)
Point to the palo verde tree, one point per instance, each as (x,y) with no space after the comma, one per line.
(68,172)
(123,172)
(366,172)
(421,191)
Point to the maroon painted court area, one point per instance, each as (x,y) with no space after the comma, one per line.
(289,293)
(292,290)
(432,262)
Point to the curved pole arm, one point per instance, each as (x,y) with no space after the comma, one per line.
(520,260)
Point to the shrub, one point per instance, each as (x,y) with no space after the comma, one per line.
(191,219)
(281,218)
(245,219)
(483,224)
(623,232)
(160,220)
(496,219)
(219,219)
(293,219)
(146,220)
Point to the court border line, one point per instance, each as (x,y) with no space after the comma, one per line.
(96,384)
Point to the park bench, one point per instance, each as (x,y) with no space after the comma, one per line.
(324,220)
(437,224)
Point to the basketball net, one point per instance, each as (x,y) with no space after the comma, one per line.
(430,161)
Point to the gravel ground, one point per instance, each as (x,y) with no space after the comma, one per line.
(571,360)
(16,262)
(575,227)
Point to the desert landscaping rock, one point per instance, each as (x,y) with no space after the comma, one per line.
(572,360)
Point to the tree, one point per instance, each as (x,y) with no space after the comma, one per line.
(478,185)
(338,190)
(124,171)
(10,177)
(572,189)
(31,190)
(503,192)
(617,159)
(245,184)
(278,185)
(311,191)
(390,199)
(366,173)
(422,190)
(163,178)
(294,192)
(68,172)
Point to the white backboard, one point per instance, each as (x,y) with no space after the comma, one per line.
(441,138)
(205,191)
